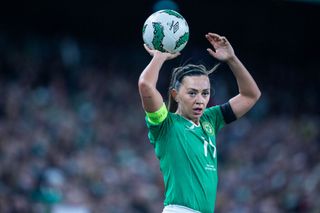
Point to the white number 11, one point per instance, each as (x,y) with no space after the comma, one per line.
(205,147)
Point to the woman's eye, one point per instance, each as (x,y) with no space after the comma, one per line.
(205,93)
(192,93)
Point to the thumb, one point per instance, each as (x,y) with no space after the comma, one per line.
(211,52)
(174,55)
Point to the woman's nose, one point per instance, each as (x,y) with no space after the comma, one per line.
(199,99)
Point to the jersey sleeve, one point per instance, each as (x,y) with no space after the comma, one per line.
(215,117)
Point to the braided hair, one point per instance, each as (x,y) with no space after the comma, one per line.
(177,76)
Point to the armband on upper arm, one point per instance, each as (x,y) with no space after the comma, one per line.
(158,116)
(227,112)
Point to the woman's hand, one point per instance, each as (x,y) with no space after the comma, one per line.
(164,55)
(223,50)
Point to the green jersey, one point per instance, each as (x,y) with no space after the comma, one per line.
(188,158)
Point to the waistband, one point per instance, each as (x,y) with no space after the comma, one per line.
(178,209)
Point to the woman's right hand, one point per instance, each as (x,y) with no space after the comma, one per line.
(157,53)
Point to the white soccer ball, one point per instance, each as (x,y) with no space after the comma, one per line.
(166,31)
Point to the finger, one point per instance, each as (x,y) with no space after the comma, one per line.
(214,36)
(224,39)
(218,38)
(209,38)
(146,47)
(213,40)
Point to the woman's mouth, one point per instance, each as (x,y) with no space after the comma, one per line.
(197,111)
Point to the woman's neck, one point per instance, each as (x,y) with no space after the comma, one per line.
(195,122)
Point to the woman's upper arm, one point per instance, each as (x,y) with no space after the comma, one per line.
(150,97)
(241,104)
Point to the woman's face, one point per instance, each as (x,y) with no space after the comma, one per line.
(193,97)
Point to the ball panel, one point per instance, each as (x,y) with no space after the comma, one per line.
(172,13)
(182,41)
(158,36)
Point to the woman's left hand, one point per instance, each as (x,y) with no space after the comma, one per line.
(223,50)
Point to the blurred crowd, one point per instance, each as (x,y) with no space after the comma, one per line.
(73,139)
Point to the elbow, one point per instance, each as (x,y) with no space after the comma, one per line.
(144,85)
(253,97)
(257,95)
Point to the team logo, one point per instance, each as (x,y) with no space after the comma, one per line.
(208,128)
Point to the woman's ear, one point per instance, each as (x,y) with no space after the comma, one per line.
(174,95)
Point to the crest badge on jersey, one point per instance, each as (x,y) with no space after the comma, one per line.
(208,128)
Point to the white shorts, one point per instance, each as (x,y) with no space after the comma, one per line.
(178,209)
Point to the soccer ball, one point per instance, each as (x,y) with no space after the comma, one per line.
(166,31)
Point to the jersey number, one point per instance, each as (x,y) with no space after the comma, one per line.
(205,147)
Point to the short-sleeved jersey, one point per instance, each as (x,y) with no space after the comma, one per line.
(188,158)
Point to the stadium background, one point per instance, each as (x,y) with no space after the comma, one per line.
(72,132)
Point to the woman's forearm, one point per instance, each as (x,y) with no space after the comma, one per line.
(246,84)
(150,74)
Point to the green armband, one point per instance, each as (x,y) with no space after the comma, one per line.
(158,116)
